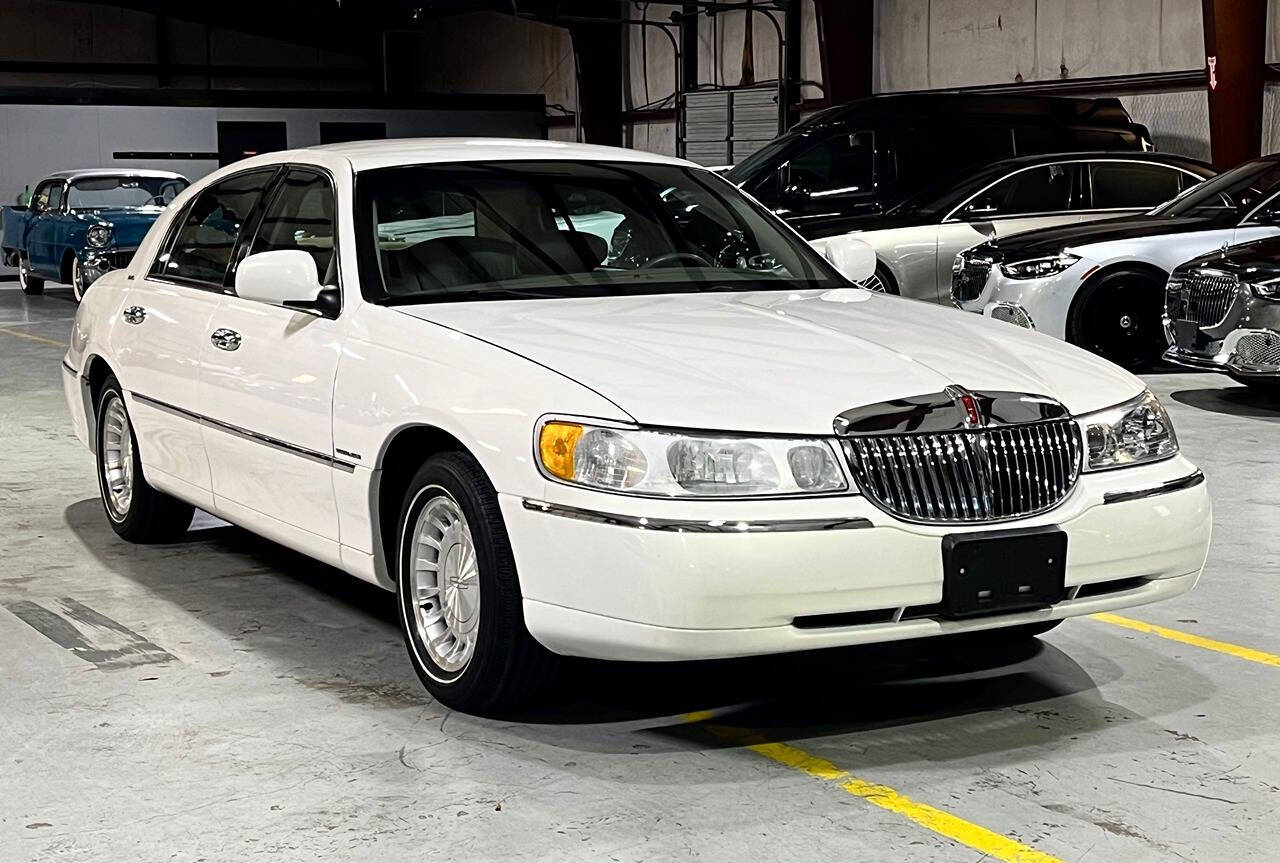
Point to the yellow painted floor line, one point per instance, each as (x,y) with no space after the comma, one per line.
(28,336)
(953,827)
(1187,638)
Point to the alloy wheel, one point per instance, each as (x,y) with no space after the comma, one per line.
(117,458)
(444,584)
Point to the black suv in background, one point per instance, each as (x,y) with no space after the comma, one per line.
(863,157)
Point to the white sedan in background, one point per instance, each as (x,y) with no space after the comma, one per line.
(916,242)
(690,438)
(1102,285)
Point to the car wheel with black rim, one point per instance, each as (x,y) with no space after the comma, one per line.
(136,511)
(459,595)
(1117,315)
(31,284)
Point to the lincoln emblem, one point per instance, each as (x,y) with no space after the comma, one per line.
(968,404)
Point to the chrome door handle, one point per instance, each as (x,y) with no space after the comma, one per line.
(134,315)
(225,339)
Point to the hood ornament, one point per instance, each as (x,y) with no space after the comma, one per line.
(968,405)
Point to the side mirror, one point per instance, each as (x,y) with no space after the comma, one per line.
(286,277)
(854,258)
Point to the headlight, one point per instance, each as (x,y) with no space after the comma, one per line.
(670,464)
(1267,290)
(1038,268)
(98,235)
(1135,432)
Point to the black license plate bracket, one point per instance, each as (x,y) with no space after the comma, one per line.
(1000,571)
(1186,332)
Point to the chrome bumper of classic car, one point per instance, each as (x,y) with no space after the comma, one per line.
(99,262)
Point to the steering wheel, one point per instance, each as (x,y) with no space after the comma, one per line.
(670,257)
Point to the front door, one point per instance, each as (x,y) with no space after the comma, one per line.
(1025,199)
(46,210)
(269,381)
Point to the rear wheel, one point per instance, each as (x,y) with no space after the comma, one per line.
(136,511)
(1118,316)
(459,595)
(31,284)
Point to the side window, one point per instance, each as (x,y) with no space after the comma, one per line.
(201,248)
(1046,189)
(1118,185)
(840,165)
(40,198)
(300,216)
(55,197)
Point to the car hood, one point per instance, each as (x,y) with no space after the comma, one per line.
(1051,241)
(1257,261)
(778,361)
(128,224)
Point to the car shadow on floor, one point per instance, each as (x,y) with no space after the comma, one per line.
(335,633)
(1238,401)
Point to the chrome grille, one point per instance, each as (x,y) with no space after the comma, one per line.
(969,277)
(977,475)
(1208,296)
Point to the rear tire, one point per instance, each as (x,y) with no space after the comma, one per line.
(459,595)
(135,510)
(1118,316)
(31,284)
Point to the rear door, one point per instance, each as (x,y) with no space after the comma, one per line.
(163,336)
(1119,188)
(270,383)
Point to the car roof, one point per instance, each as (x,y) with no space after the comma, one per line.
(1105,155)
(83,173)
(367,155)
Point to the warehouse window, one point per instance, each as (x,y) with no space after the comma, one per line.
(201,249)
(300,217)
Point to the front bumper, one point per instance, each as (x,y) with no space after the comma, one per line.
(1040,304)
(95,263)
(839,571)
(1246,342)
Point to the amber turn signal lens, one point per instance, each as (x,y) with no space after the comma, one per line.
(556,445)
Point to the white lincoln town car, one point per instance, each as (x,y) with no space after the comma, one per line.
(574,400)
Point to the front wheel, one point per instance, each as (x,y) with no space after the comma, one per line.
(31,284)
(881,281)
(136,511)
(1118,316)
(459,595)
(78,284)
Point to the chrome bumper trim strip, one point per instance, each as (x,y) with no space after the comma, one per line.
(694,526)
(1189,481)
(266,440)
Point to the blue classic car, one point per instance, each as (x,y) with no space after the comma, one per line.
(80,224)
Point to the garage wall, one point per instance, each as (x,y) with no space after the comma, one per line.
(40,30)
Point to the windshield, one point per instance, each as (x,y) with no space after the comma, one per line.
(741,172)
(518,230)
(99,193)
(1237,192)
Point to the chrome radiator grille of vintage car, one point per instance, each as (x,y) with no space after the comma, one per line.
(969,475)
(1207,296)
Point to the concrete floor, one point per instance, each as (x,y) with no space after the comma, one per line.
(231,700)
